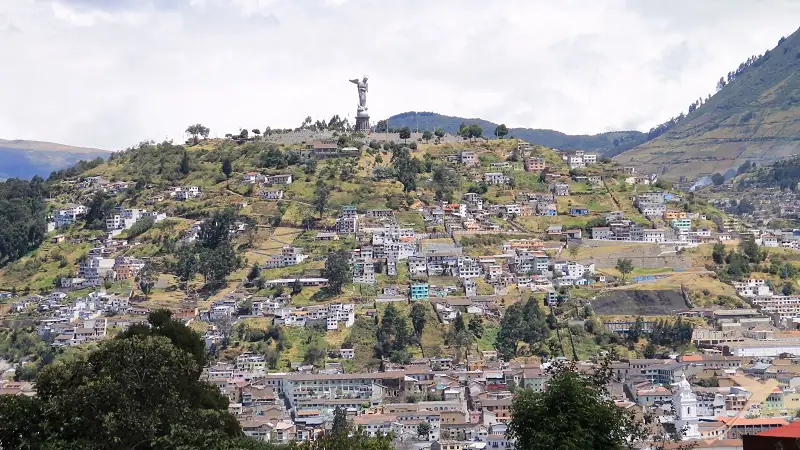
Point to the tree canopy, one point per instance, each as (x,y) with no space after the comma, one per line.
(574,412)
(140,390)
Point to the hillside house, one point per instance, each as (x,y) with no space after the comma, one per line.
(534,164)
(272,195)
(560,189)
(579,211)
(495,178)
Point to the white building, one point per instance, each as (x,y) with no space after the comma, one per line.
(95,268)
(67,216)
(685,403)
(495,178)
(272,195)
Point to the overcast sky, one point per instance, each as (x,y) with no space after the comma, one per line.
(111,73)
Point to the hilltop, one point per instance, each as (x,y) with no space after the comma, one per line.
(755,116)
(608,144)
(24,159)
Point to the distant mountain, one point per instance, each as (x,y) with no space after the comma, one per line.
(754,116)
(609,144)
(24,159)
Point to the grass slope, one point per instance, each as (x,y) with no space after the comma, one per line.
(756,117)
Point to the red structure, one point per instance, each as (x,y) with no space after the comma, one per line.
(784,438)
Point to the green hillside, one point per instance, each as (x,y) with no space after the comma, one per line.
(754,116)
(24,159)
(610,143)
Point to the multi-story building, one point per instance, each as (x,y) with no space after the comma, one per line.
(68,215)
(363,271)
(602,233)
(534,164)
(126,268)
(278,179)
(468,267)
(347,225)
(651,197)
(681,224)
(649,235)
(495,178)
(417,266)
(560,189)
(589,158)
(95,268)
(419,291)
(467,157)
(272,195)
(576,162)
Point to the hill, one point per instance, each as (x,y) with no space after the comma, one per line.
(755,115)
(24,159)
(608,144)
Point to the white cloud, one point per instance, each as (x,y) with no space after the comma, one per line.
(109,73)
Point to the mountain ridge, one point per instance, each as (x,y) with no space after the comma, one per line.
(601,142)
(25,158)
(754,116)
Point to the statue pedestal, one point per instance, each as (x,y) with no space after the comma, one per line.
(362,122)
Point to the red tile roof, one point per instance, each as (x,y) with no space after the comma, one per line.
(792,430)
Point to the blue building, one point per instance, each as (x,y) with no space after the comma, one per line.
(419,291)
(579,212)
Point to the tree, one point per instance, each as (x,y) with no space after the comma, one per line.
(501,131)
(718,253)
(337,270)
(313,354)
(788,289)
(650,351)
(340,424)
(187,264)
(427,136)
(322,193)
(405,133)
(185,163)
(439,133)
(475,326)
(226,167)
(197,131)
(418,319)
(718,179)
(215,264)
(134,391)
(424,430)
(146,278)
(254,273)
(625,266)
(574,412)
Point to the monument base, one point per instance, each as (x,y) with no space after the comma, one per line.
(362,124)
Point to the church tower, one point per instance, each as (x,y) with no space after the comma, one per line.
(685,403)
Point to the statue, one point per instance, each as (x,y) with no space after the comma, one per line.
(362,115)
(363,88)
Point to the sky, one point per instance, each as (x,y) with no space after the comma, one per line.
(112,73)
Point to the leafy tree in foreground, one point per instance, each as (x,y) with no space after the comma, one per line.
(130,393)
(575,412)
